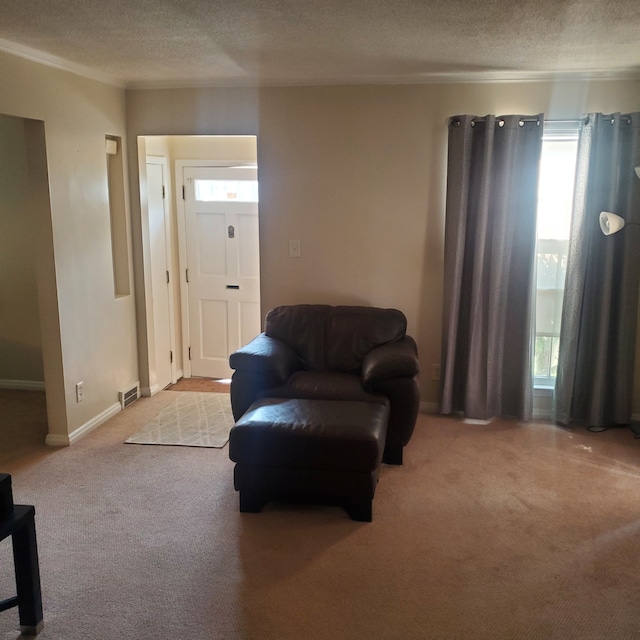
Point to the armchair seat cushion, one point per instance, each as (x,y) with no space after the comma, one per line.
(329,385)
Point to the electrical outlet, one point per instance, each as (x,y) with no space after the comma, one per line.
(79,391)
(435,372)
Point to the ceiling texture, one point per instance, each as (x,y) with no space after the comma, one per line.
(173,43)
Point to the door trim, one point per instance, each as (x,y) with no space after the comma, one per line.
(180,166)
(166,181)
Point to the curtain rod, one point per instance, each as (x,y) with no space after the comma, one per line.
(534,119)
(568,124)
(625,117)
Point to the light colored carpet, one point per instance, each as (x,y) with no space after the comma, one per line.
(487,532)
(192,419)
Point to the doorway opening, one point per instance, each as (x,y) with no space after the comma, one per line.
(202,288)
(25,277)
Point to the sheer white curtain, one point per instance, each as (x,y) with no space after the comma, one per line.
(490,239)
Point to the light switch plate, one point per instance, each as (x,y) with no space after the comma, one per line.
(294,248)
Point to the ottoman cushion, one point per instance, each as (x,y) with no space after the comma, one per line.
(310,434)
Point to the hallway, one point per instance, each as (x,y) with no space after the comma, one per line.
(23,427)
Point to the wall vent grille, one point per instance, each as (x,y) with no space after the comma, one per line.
(128,396)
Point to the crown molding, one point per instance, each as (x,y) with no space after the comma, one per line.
(493,77)
(488,77)
(462,77)
(49,60)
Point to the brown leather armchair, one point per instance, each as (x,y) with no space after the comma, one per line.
(333,353)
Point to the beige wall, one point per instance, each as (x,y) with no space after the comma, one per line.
(358,175)
(20,341)
(88,335)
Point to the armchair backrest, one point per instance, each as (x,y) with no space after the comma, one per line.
(328,338)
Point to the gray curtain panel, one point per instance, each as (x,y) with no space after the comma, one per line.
(489,286)
(599,314)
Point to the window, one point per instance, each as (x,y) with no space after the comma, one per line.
(226,190)
(555,199)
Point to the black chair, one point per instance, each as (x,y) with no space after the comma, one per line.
(359,354)
(17,521)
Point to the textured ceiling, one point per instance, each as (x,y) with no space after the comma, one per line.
(228,42)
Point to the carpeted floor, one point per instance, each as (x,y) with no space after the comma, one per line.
(496,532)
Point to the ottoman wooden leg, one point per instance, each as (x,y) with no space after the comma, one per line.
(251,502)
(359,511)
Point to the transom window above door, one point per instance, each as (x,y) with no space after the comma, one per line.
(226,190)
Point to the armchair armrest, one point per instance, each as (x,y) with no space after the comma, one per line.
(267,357)
(392,360)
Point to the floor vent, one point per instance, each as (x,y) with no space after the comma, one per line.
(128,396)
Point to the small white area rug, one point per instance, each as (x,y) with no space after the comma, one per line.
(193,419)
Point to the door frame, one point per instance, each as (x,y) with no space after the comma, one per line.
(166,182)
(180,166)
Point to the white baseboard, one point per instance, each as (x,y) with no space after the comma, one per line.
(147,392)
(57,440)
(22,385)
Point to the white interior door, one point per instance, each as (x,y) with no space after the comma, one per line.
(160,272)
(223,264)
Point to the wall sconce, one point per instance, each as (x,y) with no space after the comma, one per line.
(611,222)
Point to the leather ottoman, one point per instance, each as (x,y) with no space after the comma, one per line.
(326,451)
